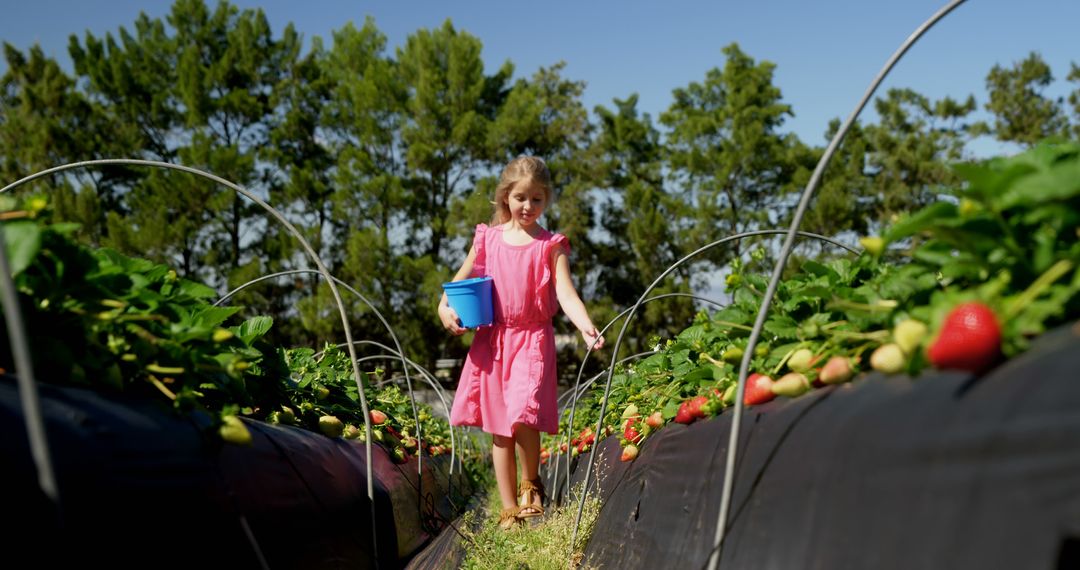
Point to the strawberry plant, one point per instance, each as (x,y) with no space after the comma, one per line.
(102,320)
(961,284)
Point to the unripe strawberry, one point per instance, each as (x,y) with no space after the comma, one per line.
(909,335)
(874,245)
(631,411)
(791,385)
(222,335)
(732,355)
(233,430)
(801,360)
(655,420)
(629,453)
(836,371)
(331,426)
(351,432)
(888,358)
(728,397)
(287,415)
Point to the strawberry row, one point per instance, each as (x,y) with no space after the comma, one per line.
(962,284)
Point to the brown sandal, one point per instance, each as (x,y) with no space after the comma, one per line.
(531,498)
(509,518)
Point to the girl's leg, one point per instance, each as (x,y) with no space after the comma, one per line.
(528,447)
(502,455)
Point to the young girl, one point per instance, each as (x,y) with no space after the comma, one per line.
(508,383)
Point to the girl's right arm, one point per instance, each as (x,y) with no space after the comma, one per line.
(448,315)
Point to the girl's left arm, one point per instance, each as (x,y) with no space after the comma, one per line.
(571,303)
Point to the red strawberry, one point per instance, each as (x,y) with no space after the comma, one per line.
(655,420)
(695,404)
(684,416)
(631,432)
(970,339)
(377,417)
(629,453)
(758,389)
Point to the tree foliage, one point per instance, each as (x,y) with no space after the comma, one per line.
(384,158)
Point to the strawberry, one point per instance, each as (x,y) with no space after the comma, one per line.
(398,455)
(909,334)
(655,420)
(801,360)
(233,430)
(684,416)
(758,389)
(732,355)
(630,432)
(728,397)
(694,407)
(836,371)
(969,339)
(631,411)
(888,358)
(377,417)
(874,245)
(791,385)
(331,426)
(629,453)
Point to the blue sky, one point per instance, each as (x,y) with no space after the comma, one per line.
(826,52)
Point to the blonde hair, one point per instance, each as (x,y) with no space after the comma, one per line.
(523,169)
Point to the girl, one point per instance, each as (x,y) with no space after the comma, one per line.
(508,383)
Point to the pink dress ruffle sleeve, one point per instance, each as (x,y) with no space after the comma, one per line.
(509,376)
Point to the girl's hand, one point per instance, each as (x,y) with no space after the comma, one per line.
(450,320)
(592,338)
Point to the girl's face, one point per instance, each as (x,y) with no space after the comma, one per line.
(526,202)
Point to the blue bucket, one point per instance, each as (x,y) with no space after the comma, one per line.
(471,299)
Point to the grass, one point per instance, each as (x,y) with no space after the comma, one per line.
(540,546)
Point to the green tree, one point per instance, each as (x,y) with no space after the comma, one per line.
(1022,112)
(1074,99)
(640,219)
(450,105)
(735,170)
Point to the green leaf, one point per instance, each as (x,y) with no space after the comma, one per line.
(782,327)
(254,328)
(920,221)
(23,240)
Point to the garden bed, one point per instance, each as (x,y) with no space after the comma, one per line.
(941,471)
(141,486)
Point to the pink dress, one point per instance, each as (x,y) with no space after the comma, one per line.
(509,376)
